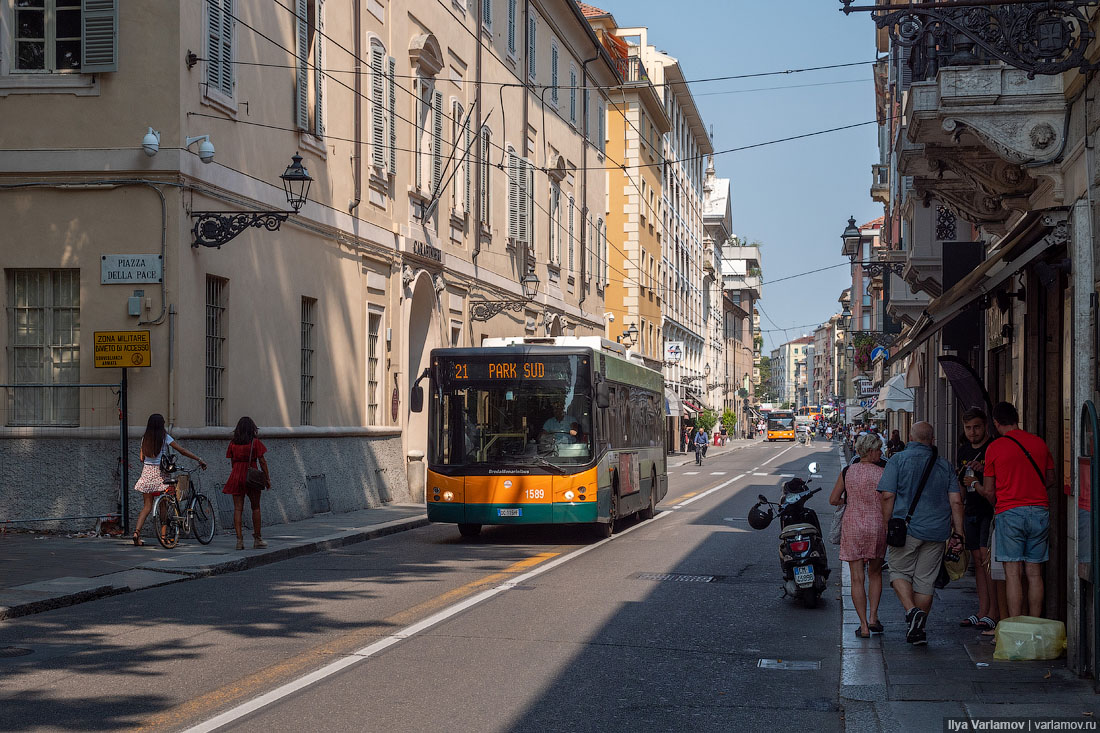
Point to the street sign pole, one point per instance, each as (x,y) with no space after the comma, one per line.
(125,458)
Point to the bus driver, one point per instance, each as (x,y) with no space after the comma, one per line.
(562,427)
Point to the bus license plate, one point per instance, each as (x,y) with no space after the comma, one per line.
(804,575)
(509,512)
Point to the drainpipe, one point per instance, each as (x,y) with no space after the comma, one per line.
(478,183)
(584,177)
(358,157)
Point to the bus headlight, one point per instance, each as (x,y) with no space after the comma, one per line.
(448,496)
(569,495)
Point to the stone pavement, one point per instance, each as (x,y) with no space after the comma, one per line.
(889,685)
(39,572)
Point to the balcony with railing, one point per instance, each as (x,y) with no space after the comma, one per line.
(880,183)
(631,70)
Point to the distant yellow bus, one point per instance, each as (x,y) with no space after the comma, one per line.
(780,425)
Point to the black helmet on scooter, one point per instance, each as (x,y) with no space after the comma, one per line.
(794,486)
(759,518)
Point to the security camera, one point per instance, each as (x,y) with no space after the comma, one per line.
(610,317)
(206,148)
(151,142)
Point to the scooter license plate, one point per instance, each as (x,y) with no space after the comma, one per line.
(804,576)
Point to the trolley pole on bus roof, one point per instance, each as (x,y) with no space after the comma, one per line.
(122,349)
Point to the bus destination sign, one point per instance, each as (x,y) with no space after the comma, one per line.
(121,349)
(490,370)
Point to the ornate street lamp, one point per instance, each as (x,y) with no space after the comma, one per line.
(483,310)
(630,335)
(215,228)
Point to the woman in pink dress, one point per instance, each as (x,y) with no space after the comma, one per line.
(863,533)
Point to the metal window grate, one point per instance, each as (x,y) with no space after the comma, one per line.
(215,350)
(309,306)
(374,324)
(45,346)
(677,577)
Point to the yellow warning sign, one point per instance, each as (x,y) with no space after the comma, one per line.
(122,349)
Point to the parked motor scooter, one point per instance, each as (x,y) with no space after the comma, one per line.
(802,556)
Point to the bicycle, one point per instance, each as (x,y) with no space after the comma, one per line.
(192,512)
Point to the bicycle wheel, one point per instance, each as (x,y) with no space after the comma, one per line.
(202,519)
(166,520)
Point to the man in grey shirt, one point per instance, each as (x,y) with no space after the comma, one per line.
(914,567)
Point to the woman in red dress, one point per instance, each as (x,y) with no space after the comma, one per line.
(863,532)
(244,451)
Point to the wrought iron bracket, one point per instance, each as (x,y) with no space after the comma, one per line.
(1037,36)
(878,269)
(483,310)
(215,228)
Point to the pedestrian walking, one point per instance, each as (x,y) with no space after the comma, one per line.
(919,493)
(977,516)
(895,444)
(245,451)
(1019,473)
(862,532)
(154,446)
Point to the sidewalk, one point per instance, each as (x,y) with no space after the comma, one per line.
(681,459)
(889,685)
(41,572)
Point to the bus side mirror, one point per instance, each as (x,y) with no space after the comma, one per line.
(603,395)
(416,399)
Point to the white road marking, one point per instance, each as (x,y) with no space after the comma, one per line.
(761,474)
(356,657)
(708,492)
(718,473)
(776,456)
(786,475)
(691,473)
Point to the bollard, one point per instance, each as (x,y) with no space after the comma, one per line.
(415,472)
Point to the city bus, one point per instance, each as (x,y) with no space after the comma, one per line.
(564,430)
(780,425)
(812,411)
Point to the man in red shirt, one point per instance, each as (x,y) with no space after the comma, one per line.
(1019,473)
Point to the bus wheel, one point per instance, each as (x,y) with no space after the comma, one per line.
(606,530)
(469,530)
(650,510)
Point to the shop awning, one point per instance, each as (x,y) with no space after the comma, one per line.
(895,396)
(692,407)
(673,406)
(1044,229)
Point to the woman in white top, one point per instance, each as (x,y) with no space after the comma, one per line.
(154,446)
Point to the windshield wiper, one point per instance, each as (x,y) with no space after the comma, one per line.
(536,459)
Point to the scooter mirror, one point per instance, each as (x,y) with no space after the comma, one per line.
(813,467)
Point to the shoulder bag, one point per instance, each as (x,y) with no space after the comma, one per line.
(838,513)
(1042,478)
(897,529)
(254,479)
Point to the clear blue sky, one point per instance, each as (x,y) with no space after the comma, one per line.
(794,197)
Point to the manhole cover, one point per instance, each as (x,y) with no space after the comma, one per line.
(13,651)
(788,664)
(676,577)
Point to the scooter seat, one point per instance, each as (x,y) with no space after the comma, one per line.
(792,529)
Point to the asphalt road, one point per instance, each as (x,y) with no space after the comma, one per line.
(523,629)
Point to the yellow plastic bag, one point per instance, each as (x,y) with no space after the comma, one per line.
(1024,638)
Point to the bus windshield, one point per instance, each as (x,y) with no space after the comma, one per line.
(780,422)
(512,410)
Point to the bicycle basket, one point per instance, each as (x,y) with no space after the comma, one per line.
(183,483)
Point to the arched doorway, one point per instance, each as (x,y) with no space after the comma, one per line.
(556,327)
(423,331)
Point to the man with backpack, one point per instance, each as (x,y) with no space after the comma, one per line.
(1017,480)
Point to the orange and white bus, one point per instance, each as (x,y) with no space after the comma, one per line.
(780,425)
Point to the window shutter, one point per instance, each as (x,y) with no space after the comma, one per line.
(572,211)
(529,193)
(532,57)
(301,96)
(554,73)
(513,196)
(99,36)
(606,258)
(601,124)
(437,141)
(318,72)
(512,25)
(487,13)
(573,96)
(485,169)
(467,157)
(377,109)
(392,127)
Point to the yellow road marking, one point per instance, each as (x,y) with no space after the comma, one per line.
(678,499)
(209,702)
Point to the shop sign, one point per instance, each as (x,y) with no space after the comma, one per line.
(427,251)
(121,349)
(674,351)
(129,269)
